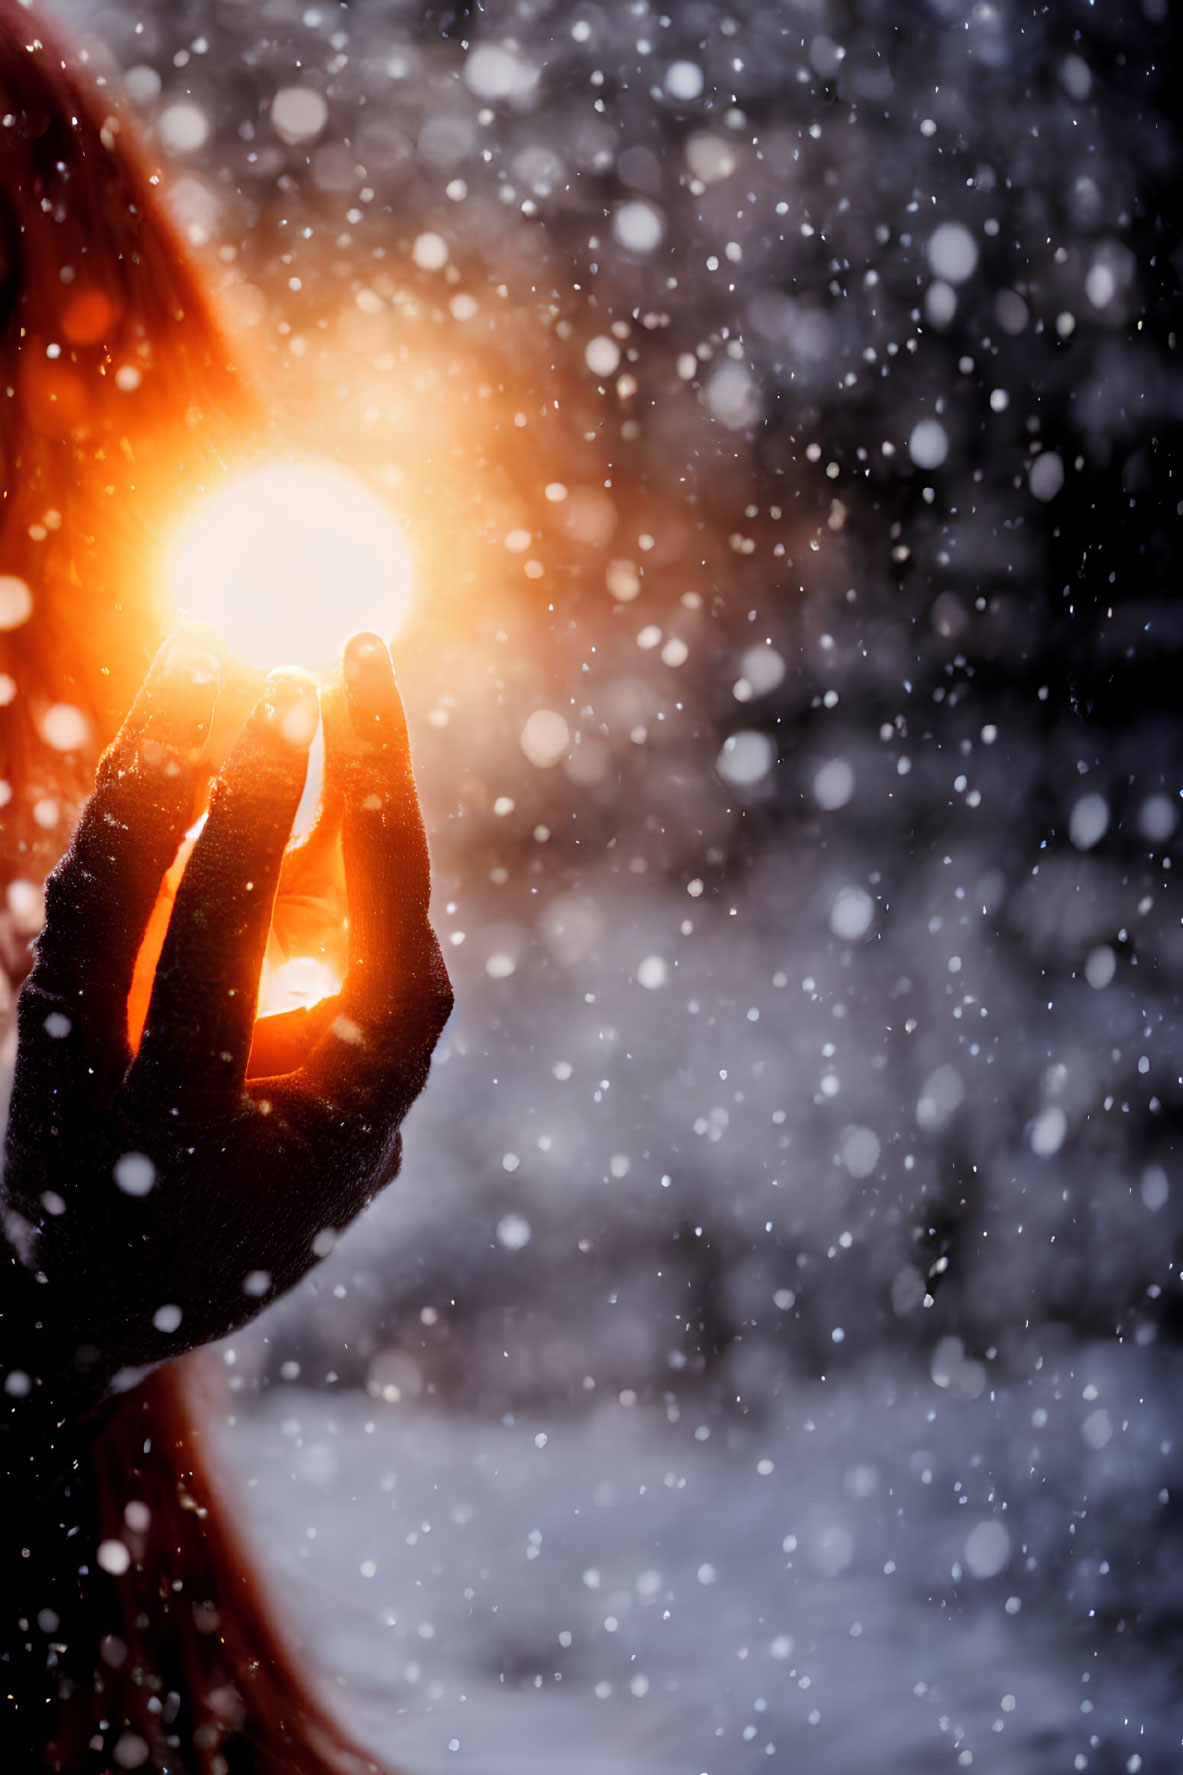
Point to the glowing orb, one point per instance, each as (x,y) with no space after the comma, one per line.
(289,560)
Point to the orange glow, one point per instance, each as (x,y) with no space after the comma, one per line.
(290,981)
(288,560)
(153,942)
(296,984)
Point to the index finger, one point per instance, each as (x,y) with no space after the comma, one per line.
(99,897)
(201,1015)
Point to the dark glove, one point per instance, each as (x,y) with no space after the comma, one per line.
(159,1200)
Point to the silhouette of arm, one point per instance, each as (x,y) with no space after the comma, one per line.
(159,1199)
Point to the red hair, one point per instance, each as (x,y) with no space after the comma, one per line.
(117,388)
(194,1619)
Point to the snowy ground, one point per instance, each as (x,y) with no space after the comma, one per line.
(626,1596)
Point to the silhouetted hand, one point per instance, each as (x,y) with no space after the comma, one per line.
(163,1196)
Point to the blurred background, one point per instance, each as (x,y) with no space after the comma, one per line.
(770,1355)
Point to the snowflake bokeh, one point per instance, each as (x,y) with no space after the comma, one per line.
(770,1354)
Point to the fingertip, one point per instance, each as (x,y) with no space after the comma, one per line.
(293,677)
(368,673)
(174,707)
(372,690)
(290,706)
(195,650)
(364,652)
(190,631)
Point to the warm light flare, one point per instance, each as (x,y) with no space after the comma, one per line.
(288,982)
(290,559)
(295,985)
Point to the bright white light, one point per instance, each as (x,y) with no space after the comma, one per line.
(684,80)
(295,985)
(183,128)
(298,114)
(639,227)
(953,252)
(289,560)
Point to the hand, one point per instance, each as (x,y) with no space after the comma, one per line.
(163,1195)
